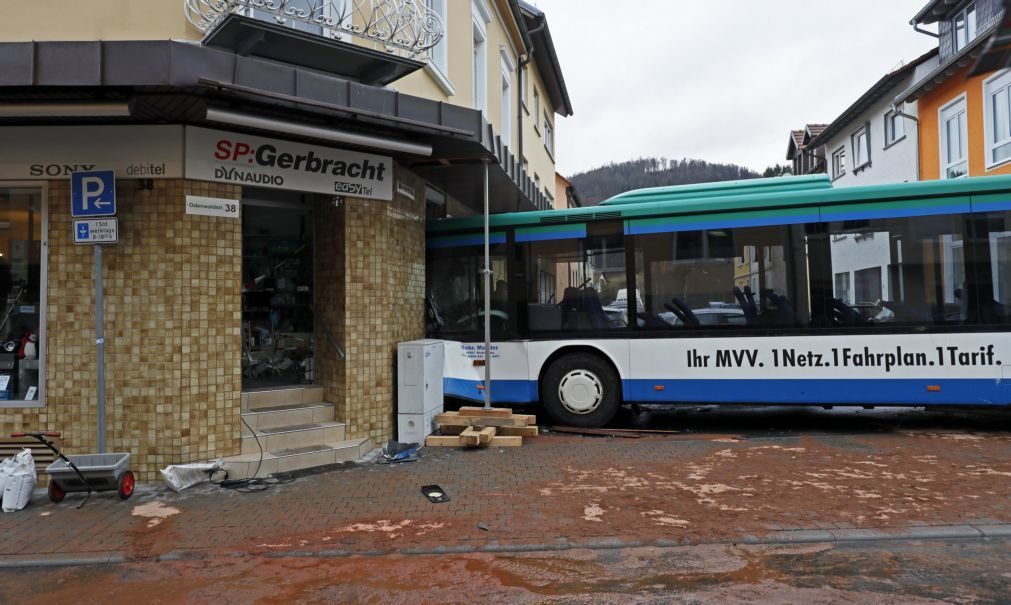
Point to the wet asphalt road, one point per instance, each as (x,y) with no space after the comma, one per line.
(881,571)
(876,573)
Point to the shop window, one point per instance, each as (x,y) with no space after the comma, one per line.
(278,286)
(22,293)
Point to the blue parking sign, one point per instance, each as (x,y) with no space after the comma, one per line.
(93,193)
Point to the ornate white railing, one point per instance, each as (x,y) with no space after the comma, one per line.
(407,25)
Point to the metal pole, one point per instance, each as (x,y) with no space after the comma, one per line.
(100,346)
(487,298)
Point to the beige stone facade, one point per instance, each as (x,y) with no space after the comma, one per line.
(173,321)
(370,280)
(172,307)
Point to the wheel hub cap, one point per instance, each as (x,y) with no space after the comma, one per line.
(580,392)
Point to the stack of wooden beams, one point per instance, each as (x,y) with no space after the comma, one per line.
(478,427)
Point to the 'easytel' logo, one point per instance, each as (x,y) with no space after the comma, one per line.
(268,156)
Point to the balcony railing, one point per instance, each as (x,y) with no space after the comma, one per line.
(408,26)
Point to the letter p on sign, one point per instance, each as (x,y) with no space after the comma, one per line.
(93,193)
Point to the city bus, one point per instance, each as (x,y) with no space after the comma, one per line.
(774,291)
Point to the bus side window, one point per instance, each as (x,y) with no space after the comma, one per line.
(575,280)
(719,278)
(988,254)
(897,271)
(455,291)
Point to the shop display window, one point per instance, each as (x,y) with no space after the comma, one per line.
(21,294)
(277,297)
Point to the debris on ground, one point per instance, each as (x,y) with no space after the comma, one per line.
(478,427)
(434,493)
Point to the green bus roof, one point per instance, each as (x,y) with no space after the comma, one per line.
(679,205)
(781,184)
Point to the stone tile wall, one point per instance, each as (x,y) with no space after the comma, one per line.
(173,321)
(173,314)
(384,302)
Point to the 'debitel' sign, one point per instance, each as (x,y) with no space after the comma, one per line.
(229,157)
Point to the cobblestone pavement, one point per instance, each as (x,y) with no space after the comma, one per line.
(763,475)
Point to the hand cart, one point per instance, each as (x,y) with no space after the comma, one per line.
(85,472)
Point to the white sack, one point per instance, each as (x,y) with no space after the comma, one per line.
(20,483)
(6,468)
(181,476)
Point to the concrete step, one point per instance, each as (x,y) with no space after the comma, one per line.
(292,459)
(287,415)
(277,438)
(254,400)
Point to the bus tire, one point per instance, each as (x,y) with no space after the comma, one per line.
(581,390)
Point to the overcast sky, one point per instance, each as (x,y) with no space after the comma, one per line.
(719,81)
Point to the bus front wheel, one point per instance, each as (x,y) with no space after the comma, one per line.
(581,390)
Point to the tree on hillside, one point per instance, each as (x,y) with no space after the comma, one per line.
(777,170)
(601,183)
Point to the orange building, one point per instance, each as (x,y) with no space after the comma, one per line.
(964,119)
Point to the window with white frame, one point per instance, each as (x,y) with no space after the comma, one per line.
(481,16)
(507,107)
(838,162)
(549,135)
(860,141)
(895,128)
(963,26)
(954,140)
(997,118)
(438,55)
(537,110)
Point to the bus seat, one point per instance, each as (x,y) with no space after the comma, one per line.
(747,306)
(594,310)
(690,318)
(544,317)
(788,315)
(843,314)
(677,313)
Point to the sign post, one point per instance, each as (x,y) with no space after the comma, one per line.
(94,194)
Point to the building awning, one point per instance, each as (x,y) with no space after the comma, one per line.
(169,82)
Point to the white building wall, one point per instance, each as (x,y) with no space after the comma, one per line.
(894,164)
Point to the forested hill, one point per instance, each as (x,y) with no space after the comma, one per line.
(594,186)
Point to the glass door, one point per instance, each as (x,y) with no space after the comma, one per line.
(277,295)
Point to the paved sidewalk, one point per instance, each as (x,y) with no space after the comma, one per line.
(558,492)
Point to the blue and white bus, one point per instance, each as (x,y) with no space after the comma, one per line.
(777,291)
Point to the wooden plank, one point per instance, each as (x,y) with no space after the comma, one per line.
(518,431)
(492,413)
(454,430)
(470,437)
(451,419)
(442,441)
(486,434)
(499,441)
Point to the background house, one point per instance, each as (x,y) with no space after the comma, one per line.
(871,141)
(805,159)
(965,128)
